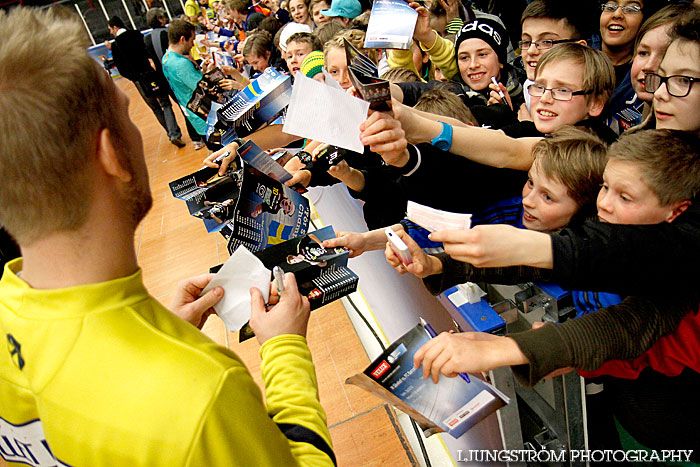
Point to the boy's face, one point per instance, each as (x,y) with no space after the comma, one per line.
(549,114)
(679,113)
(618,29)
(650,51)
(625,198)
(477,63)
(546,203)
(317,16)
(296,53)
(299,11)
(538,29)
(337,66)
(257,62)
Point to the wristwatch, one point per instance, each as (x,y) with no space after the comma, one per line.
(444,139)
(305,157)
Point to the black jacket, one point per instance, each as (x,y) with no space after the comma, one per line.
(157,55)
(629,259)
(130,55)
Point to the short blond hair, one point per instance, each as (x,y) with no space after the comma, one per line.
(441,101)
(356,38)
(669,161)
(50,114)
(576,158)
(598,70)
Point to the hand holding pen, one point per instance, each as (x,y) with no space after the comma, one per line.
(431,332)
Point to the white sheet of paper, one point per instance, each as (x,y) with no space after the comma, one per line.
(239,273)
(435,219)
(321,113)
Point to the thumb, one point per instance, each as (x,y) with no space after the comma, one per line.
(208,300)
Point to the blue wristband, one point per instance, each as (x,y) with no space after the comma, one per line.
(444,139)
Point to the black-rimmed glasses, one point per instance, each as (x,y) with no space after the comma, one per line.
(677,85)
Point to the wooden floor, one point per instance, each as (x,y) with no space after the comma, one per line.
(172,245)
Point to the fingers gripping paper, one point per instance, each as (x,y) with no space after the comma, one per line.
(322,113)
(239,273)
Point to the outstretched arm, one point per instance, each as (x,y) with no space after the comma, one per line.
(482,145)
(618,332)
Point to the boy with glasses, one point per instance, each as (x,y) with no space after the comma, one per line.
(567,69)
(545,24)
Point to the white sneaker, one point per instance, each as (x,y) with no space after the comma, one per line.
(198,145)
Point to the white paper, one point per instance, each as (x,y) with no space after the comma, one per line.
(325,114)
(239,273)
(471,291)
(457,298)
(435,219)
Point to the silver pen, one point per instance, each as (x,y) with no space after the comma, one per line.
(279,279)
(500,93)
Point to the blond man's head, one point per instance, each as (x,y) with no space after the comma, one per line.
(51,112)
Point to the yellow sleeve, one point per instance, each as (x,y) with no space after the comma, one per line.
(401,59)
(238,430)
(442,54)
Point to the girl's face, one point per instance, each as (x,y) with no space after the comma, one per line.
(299,11)
(337,66)
(618,29)
(679,113)
(650,51)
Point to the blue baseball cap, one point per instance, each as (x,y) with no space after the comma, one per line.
(344,8)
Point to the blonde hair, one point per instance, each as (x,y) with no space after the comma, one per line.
(400,75)
(356,38)
(50,115)
(576,158)
(667,16)
(441,101)
(669,161)
(598,71)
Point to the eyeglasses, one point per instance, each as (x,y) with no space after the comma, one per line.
(559,94)
(543,44)
(676,85)
(627,9)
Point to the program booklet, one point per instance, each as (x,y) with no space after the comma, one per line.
(391,25)
(262,101)
(207,91)
(267,212)
(453,405)
(246,205)
(364,76)
(322,274)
